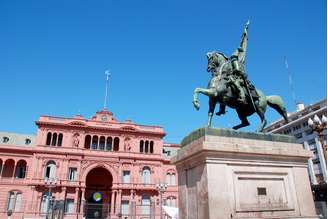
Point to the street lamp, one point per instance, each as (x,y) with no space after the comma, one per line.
(50,183)
(161,187)
(319,125)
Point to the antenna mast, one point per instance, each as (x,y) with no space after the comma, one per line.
(108,75)
(290,79)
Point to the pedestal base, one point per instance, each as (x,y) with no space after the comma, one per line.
(225,174)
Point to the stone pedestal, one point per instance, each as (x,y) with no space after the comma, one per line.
(225,174)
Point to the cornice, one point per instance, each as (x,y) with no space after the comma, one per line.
(124,129)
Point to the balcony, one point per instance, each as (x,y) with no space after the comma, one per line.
(59,182)
(13,180)
(135,186)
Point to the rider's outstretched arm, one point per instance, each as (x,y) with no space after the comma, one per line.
(243,44)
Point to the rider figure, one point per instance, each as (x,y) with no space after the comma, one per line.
(239,76)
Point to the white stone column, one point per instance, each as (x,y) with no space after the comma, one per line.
(313,178)
(321,158)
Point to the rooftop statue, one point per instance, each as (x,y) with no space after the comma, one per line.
(229,86)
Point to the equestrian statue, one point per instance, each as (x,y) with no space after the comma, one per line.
(229,86)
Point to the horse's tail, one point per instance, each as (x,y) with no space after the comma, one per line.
(277,103)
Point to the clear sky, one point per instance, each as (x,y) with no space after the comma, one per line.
(53,55)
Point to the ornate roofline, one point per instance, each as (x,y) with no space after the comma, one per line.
(87,127)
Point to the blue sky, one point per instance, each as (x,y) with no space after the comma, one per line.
(53,55)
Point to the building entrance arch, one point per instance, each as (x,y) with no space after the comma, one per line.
(98,190)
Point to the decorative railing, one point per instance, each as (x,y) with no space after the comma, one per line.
(144,186)
(59,182)
(13,180)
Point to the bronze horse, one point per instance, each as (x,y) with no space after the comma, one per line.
(219,91)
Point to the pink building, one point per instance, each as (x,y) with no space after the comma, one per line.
(80,168)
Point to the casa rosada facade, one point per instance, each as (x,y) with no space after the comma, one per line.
(81,168)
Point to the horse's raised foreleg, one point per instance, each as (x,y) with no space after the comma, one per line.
(208,92)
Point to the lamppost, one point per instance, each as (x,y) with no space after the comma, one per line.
(161,187)
(319,125)
(50,183)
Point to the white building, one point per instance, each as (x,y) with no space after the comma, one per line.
(298,127)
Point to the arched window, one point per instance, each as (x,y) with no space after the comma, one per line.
(109,144)
(14,201)
(11,201)
(50,170)
(102,143)
(60,139)
(48,141)
(94,144)
(8,168)
(146,146)
(87,142)
(171,201)
(54,139)
(151,147)
(20,169)
(116,144)
(146,175)
(141,146)
(170,179)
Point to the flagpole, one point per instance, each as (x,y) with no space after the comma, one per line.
(107,73)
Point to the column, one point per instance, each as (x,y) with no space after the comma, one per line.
(321,158)
(153,207)
(14,171)
(82,204)
(98,141)
(38,166)
(63,195)
(112,202)
(76,200)
(64,169)
(33,205)
(131,204)
(82,141)
(118,201)
(1,170)
(37,209)
(26,172)
(313,178)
